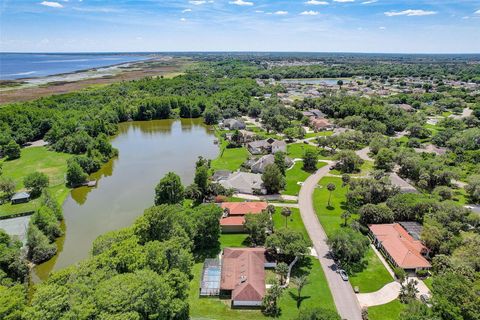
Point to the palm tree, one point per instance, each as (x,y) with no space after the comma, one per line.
(346,215)
(345,179)
(299,282)
(271,209)
(286,212)
(331,187)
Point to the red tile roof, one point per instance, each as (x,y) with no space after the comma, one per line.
(402,247)
(232,221)
(243,272)
(243,208)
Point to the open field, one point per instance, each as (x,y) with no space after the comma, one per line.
(53,164)
(229,158)
(296,150)
(373,276)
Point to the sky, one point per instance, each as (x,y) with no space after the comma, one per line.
(385,26)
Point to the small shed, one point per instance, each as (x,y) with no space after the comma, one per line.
(20,197)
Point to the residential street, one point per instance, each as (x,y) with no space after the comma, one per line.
(342,292)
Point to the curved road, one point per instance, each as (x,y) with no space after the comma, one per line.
(342,292)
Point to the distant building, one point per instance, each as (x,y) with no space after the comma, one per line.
(234,124)
(259,165)
(243,276)
(20,197)
(401,183)
(320,124)
(266,146)
(233,218)
(399,247)
(244,182)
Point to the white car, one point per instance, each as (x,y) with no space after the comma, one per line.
(343,274)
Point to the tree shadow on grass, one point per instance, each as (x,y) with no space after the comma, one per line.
(206,253)
(298,299)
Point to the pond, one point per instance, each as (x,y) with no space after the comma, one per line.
(126,185)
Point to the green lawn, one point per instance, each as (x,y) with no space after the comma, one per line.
(296,174)
(296,150)
(374,275)
(428,282)
(293,222)
(366,168)
(318,134)
(229,159)
(389,311)
(233,240)
(53,164)
(330,217)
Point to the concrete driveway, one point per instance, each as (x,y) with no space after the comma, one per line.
(342,292)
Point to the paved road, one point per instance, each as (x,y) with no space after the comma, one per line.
(342,292)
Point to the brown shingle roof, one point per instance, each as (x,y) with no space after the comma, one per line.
(243,272)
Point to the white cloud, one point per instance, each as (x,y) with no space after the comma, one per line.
(343,0)
(309,13)
(241,3)
(186,10)
(197,2)
(477,12)
(51,4)
(183,19)
(410,13)
(383,28)
(369,1)
(281,13)
(259,11)
(317,3)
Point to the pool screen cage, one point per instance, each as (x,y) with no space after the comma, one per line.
(211,274)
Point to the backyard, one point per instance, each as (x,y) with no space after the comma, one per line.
(53,164)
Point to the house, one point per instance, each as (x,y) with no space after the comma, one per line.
(399,247)
(406,107)
(259,165)
(221,175)
(244,182)
(247,136)
(20,197)
(430,148)
(320,124)
(242,277)
(404,186)
(266,146)
(234,124)
(233,218)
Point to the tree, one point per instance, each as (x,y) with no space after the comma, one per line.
(317,314)
(282,270)
(345,180)
(375,214)
(348,161)
(207,225)
(331,187)
(7,186)
(280,162)
(384,159)
(36,182)
(12,302)
(473,188)
(310,160)
(12,150)
(169,190)
(39,247)
(400,274)
(272,178)
(270,300)
(201,178)
(340,84)
(408,291)
(415,310)
(346,215)
(257,226)
(288,244)
(286,212)
(348,246)
(300,282)
(75,174)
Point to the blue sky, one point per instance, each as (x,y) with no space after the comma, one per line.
(411,26)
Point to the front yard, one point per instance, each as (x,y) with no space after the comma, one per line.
(297,174)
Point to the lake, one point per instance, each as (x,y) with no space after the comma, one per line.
(126,185)
(27,65)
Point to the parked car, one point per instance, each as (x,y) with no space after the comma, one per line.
(425,298)
(343,274)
